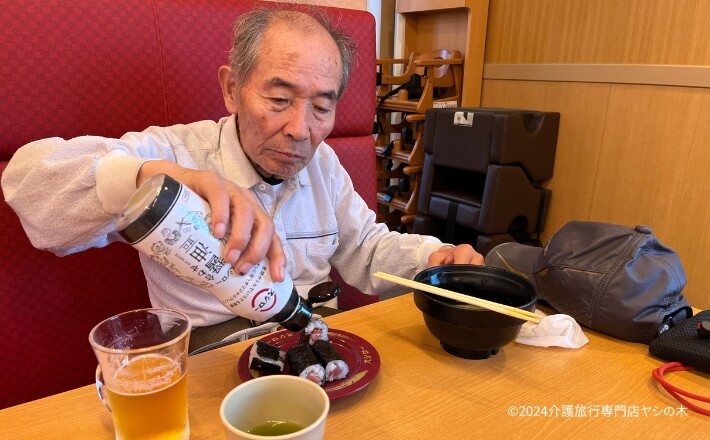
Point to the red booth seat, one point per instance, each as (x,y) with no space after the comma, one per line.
(106,67)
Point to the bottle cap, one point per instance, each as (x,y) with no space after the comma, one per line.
(295,315)
(147,207)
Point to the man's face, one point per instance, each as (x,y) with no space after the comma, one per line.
(286,106)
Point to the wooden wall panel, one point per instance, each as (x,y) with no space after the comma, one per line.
(646,158)
(599,31)
(437,30)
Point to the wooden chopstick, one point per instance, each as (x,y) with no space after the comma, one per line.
(472,300)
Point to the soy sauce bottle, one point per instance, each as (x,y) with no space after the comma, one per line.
(168,222)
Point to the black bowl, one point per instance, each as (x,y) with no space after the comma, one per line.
(468,331)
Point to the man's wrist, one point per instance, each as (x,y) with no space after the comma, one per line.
(429,246)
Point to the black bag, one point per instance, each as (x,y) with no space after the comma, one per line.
(681,343)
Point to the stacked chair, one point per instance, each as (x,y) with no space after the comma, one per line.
(429,79)
(483,173)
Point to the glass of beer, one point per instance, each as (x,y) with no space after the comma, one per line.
(142,372)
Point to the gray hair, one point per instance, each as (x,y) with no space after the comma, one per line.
(250,28)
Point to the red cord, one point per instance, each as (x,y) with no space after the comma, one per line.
(678,392)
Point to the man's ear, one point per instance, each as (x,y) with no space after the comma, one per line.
(229,88)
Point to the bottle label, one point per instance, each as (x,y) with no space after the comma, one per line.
(183,244)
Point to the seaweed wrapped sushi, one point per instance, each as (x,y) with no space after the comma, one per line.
(335,366)
(266,357)
(305,364)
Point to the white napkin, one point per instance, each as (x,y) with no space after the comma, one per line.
(552,331)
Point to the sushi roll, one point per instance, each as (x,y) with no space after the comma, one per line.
(314,331)
(266,357)
(305,364)
(335,365)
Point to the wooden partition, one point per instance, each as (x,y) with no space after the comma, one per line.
(446,24)
(631,80)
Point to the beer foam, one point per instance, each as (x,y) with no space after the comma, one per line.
(144,374)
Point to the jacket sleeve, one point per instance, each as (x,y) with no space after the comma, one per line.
(366,247)
(55,186)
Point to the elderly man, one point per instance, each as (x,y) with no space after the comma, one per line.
(265,171)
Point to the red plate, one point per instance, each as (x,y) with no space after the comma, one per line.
(362,359)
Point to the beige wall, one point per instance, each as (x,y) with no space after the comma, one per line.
(632,149)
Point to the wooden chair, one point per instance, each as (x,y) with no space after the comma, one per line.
(430,79)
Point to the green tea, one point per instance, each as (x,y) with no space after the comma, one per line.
(276,427)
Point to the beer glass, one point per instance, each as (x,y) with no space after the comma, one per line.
(142,372)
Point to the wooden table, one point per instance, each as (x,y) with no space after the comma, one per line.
(603,390)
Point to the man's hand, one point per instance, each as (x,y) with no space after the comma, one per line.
(252,234)
(461,254)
